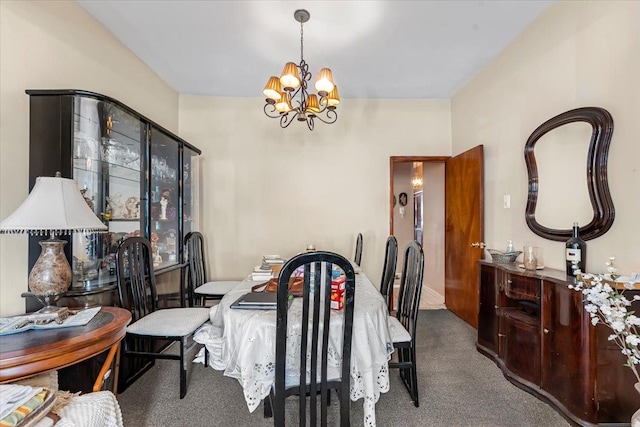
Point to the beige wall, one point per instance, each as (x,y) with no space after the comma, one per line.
(57,45)
(576,54)
(273,190)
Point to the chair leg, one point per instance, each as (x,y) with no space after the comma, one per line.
(183,370)
(414,377)
(268,411)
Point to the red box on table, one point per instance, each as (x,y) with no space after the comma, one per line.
(337,293)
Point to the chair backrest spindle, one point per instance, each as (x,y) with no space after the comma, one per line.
(136,278)
(358,256)
(389,270)
(411,287)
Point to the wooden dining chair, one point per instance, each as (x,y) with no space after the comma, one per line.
(389,271)
(152,330)
(314,341)
(402,326)
(358,256)
(199,289)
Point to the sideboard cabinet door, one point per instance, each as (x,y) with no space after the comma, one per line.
(568,350)
(487,310)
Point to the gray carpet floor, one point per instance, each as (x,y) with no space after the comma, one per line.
(457,387)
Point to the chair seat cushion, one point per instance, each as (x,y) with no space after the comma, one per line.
(170,322)
(219,287)
(397,331)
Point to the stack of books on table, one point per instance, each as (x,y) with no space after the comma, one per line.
(271,265)
(275,262)
(271,260)
(261,273)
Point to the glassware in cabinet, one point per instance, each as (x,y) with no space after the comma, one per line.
(165,209)
(107,166)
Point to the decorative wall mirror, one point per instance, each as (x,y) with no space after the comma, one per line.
(555,155)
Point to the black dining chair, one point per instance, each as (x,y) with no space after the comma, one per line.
(358,256)
(389,270)
(199,290)
(153,330)
(314,342)
(403,325)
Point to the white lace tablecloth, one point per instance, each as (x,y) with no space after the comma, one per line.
(242,344)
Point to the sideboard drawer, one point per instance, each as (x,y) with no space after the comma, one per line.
(521,287)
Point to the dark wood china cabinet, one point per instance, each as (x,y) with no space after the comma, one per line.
(137,176)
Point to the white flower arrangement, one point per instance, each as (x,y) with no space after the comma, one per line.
(608,305)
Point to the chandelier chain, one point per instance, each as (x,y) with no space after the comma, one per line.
(301,42)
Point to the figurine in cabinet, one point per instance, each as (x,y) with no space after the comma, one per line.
(114,206)
(171,244)
(163,207)
(132,206)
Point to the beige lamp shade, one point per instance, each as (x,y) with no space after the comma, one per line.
(289,78)
(54,206)
(284,104)
(324,84)
(272,88)
(312,104)
(332,99)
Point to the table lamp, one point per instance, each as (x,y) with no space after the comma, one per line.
(54,207)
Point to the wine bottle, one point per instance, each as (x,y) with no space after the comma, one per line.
(576,252)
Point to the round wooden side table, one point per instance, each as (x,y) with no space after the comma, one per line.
(38,351)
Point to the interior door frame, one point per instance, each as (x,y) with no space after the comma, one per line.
(404,159)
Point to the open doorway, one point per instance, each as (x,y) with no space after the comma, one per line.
(417,212)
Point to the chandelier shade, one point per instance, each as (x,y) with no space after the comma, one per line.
(283,105)
(324,84)
(333,99)
(272,89)
(287,97)
(289,78)
(312,104)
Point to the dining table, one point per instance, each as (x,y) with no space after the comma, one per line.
(242,344)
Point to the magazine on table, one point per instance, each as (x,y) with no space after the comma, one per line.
(12,325)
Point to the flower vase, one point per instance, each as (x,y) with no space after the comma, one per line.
(635,418)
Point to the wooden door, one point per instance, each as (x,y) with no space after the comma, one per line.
(464,225)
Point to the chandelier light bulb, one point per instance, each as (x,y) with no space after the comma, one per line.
(324,84)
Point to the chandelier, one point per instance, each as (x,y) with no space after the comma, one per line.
(291,89)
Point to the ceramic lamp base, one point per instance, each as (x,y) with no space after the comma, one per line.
(50,277)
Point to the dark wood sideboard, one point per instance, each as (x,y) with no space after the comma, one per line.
(536,330)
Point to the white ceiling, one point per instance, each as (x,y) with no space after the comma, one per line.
(376,49)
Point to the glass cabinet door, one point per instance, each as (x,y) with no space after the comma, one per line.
(190,189)
(165,210)
(107,164)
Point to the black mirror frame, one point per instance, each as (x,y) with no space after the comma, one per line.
(597,182)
